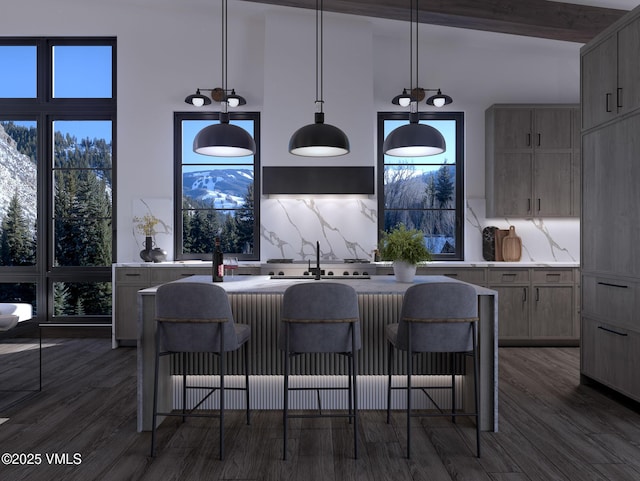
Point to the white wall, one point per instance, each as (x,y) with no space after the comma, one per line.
(166,49)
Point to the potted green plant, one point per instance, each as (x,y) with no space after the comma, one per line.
(406,248)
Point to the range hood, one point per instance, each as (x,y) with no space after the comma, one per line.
(318,180)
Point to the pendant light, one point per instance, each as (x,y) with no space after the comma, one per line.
(225,139)
(319,139)
(413,139)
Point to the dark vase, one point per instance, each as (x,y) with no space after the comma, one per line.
(158,255)
(145,254)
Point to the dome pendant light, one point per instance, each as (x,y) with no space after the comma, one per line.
(319,139)
(414,139)
(224,139)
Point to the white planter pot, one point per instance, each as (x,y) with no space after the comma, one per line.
(403,271)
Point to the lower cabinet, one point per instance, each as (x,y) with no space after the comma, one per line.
(610,344)
(536,306)
(129,280)
(609,354)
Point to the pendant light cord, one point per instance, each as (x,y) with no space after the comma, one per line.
(224,49)
(411,59)
(319,55)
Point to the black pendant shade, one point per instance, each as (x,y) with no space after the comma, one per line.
(414,140)
(224,140)
(319,140)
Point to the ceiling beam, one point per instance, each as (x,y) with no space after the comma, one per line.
(532,18)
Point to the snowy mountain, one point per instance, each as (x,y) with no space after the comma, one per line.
(17,175)
(225,188)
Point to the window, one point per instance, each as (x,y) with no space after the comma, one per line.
(57,155)
(217,194)
(425,193)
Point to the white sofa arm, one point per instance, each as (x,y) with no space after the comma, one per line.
(22,310)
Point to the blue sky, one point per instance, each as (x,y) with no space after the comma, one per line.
(79,71)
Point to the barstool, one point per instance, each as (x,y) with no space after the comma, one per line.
(436,317)
(196,317)
(321,317)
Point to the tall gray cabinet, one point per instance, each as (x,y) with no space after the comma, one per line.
(610,221)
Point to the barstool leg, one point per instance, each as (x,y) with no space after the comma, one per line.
(184,386)
(354,360)
(155,398)
(285,411)
(476,382)
(246,381)
(409,371)
(453,386)
(390,372)
(222,369)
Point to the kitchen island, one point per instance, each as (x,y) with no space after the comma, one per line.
(255,300)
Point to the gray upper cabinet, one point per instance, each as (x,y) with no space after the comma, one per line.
(611,76)
(599,83)
(532,161)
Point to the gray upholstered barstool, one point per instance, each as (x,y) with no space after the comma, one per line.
(436,317)
(196,317)
(321,317)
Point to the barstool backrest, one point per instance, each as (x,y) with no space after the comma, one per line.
(440,315)
(192,316)
(319,314)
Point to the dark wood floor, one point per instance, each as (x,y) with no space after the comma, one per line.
(551,428)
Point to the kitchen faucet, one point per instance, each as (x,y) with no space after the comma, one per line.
(317,272)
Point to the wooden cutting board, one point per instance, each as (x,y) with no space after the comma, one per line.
(511,246)
(500,235)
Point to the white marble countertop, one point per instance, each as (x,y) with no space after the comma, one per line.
(445,264)
(267,285)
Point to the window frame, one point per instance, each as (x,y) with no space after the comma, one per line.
(45,110)
(179,117)
(458,117)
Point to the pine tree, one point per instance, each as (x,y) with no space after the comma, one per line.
(245,220)
(16,241)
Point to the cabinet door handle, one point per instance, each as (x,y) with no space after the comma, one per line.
(524,294)
(537,294)
(529,140)
(608,102)
(619,97)
(132,275)
(609,284)
(539,204)
(539,139)
(451,275)
(606,329)
(528,205)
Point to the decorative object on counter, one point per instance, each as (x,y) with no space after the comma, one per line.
(217,266)
(147,225)
(222,139)
(145,254)
(319,139)
(406,248)
(500,235)
(489,243)
(152,254)
(415,139)
(511,246)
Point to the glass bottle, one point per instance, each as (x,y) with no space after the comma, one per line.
(218,263)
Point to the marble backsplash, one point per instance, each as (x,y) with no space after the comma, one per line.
(346,227)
